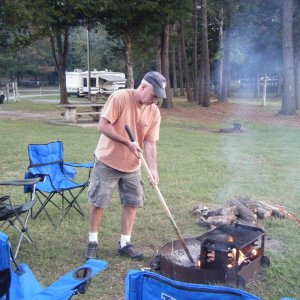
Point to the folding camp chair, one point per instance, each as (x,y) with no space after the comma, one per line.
(16,215)
(144,285)
(21,284)
(48,160)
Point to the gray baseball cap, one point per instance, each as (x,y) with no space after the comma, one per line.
(158,82)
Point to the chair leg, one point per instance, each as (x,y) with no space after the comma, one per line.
(22,230)
(73,203)
(43,206)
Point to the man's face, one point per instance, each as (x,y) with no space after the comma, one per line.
(147,96)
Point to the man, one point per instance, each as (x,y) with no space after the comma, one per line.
(117,160)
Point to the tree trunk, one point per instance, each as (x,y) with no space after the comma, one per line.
(288,96)
(167,102)
(225,88)
(296,36)
(279,85)
(174,72)
(195,50)
(297,76)
(180,69)
(59,44)
(158,55)
(226,67)
(129,62)
(205,55)
(200,85)
(221,50)
(184,63)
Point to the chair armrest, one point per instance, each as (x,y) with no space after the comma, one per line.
(82,165)
(69,284)
(29,181)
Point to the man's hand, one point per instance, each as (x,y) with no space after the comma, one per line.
(155,178)
(135,148)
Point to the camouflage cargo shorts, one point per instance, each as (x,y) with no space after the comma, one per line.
(104,181)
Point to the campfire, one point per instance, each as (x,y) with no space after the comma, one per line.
(226,254)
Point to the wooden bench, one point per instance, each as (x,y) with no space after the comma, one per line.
(73,111)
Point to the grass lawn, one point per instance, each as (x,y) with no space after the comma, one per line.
(198,166)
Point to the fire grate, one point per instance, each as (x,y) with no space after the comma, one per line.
(227,254)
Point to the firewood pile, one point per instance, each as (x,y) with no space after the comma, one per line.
(242,210)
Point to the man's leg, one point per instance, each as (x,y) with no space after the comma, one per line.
(127,222)
(127,219)
(102,185)
(131,195)
(95,218)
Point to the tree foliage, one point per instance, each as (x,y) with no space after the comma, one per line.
(15,20)
(130,35)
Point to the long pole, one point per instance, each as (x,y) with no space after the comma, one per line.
(88,62)
(161,199)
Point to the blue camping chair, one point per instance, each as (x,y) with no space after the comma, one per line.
(48,160)
(144,285)
(14,214)
(21,283)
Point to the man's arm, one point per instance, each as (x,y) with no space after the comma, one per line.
(106,128)
(151,156)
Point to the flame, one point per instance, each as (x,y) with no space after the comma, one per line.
(232,256)
(241,257)
(197,263)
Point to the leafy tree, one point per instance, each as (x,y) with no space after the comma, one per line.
(105,52)
(135,20)
(125,20)
(55,19)
(15,31)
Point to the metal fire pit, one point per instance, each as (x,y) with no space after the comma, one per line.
(227,254)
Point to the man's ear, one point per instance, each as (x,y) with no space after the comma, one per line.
(144,85)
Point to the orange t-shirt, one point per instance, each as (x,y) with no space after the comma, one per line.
(122,109)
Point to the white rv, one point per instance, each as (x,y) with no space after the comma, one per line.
(104,82)
(74,82)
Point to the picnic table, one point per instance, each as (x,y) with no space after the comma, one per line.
(74,111)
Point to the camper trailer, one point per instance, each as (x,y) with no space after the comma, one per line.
(104,82)
(74,82)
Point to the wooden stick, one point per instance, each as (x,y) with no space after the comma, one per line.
(161,199)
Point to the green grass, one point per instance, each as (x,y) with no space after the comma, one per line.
(197,167)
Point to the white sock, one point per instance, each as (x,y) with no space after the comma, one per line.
(124,240)
(93,237)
